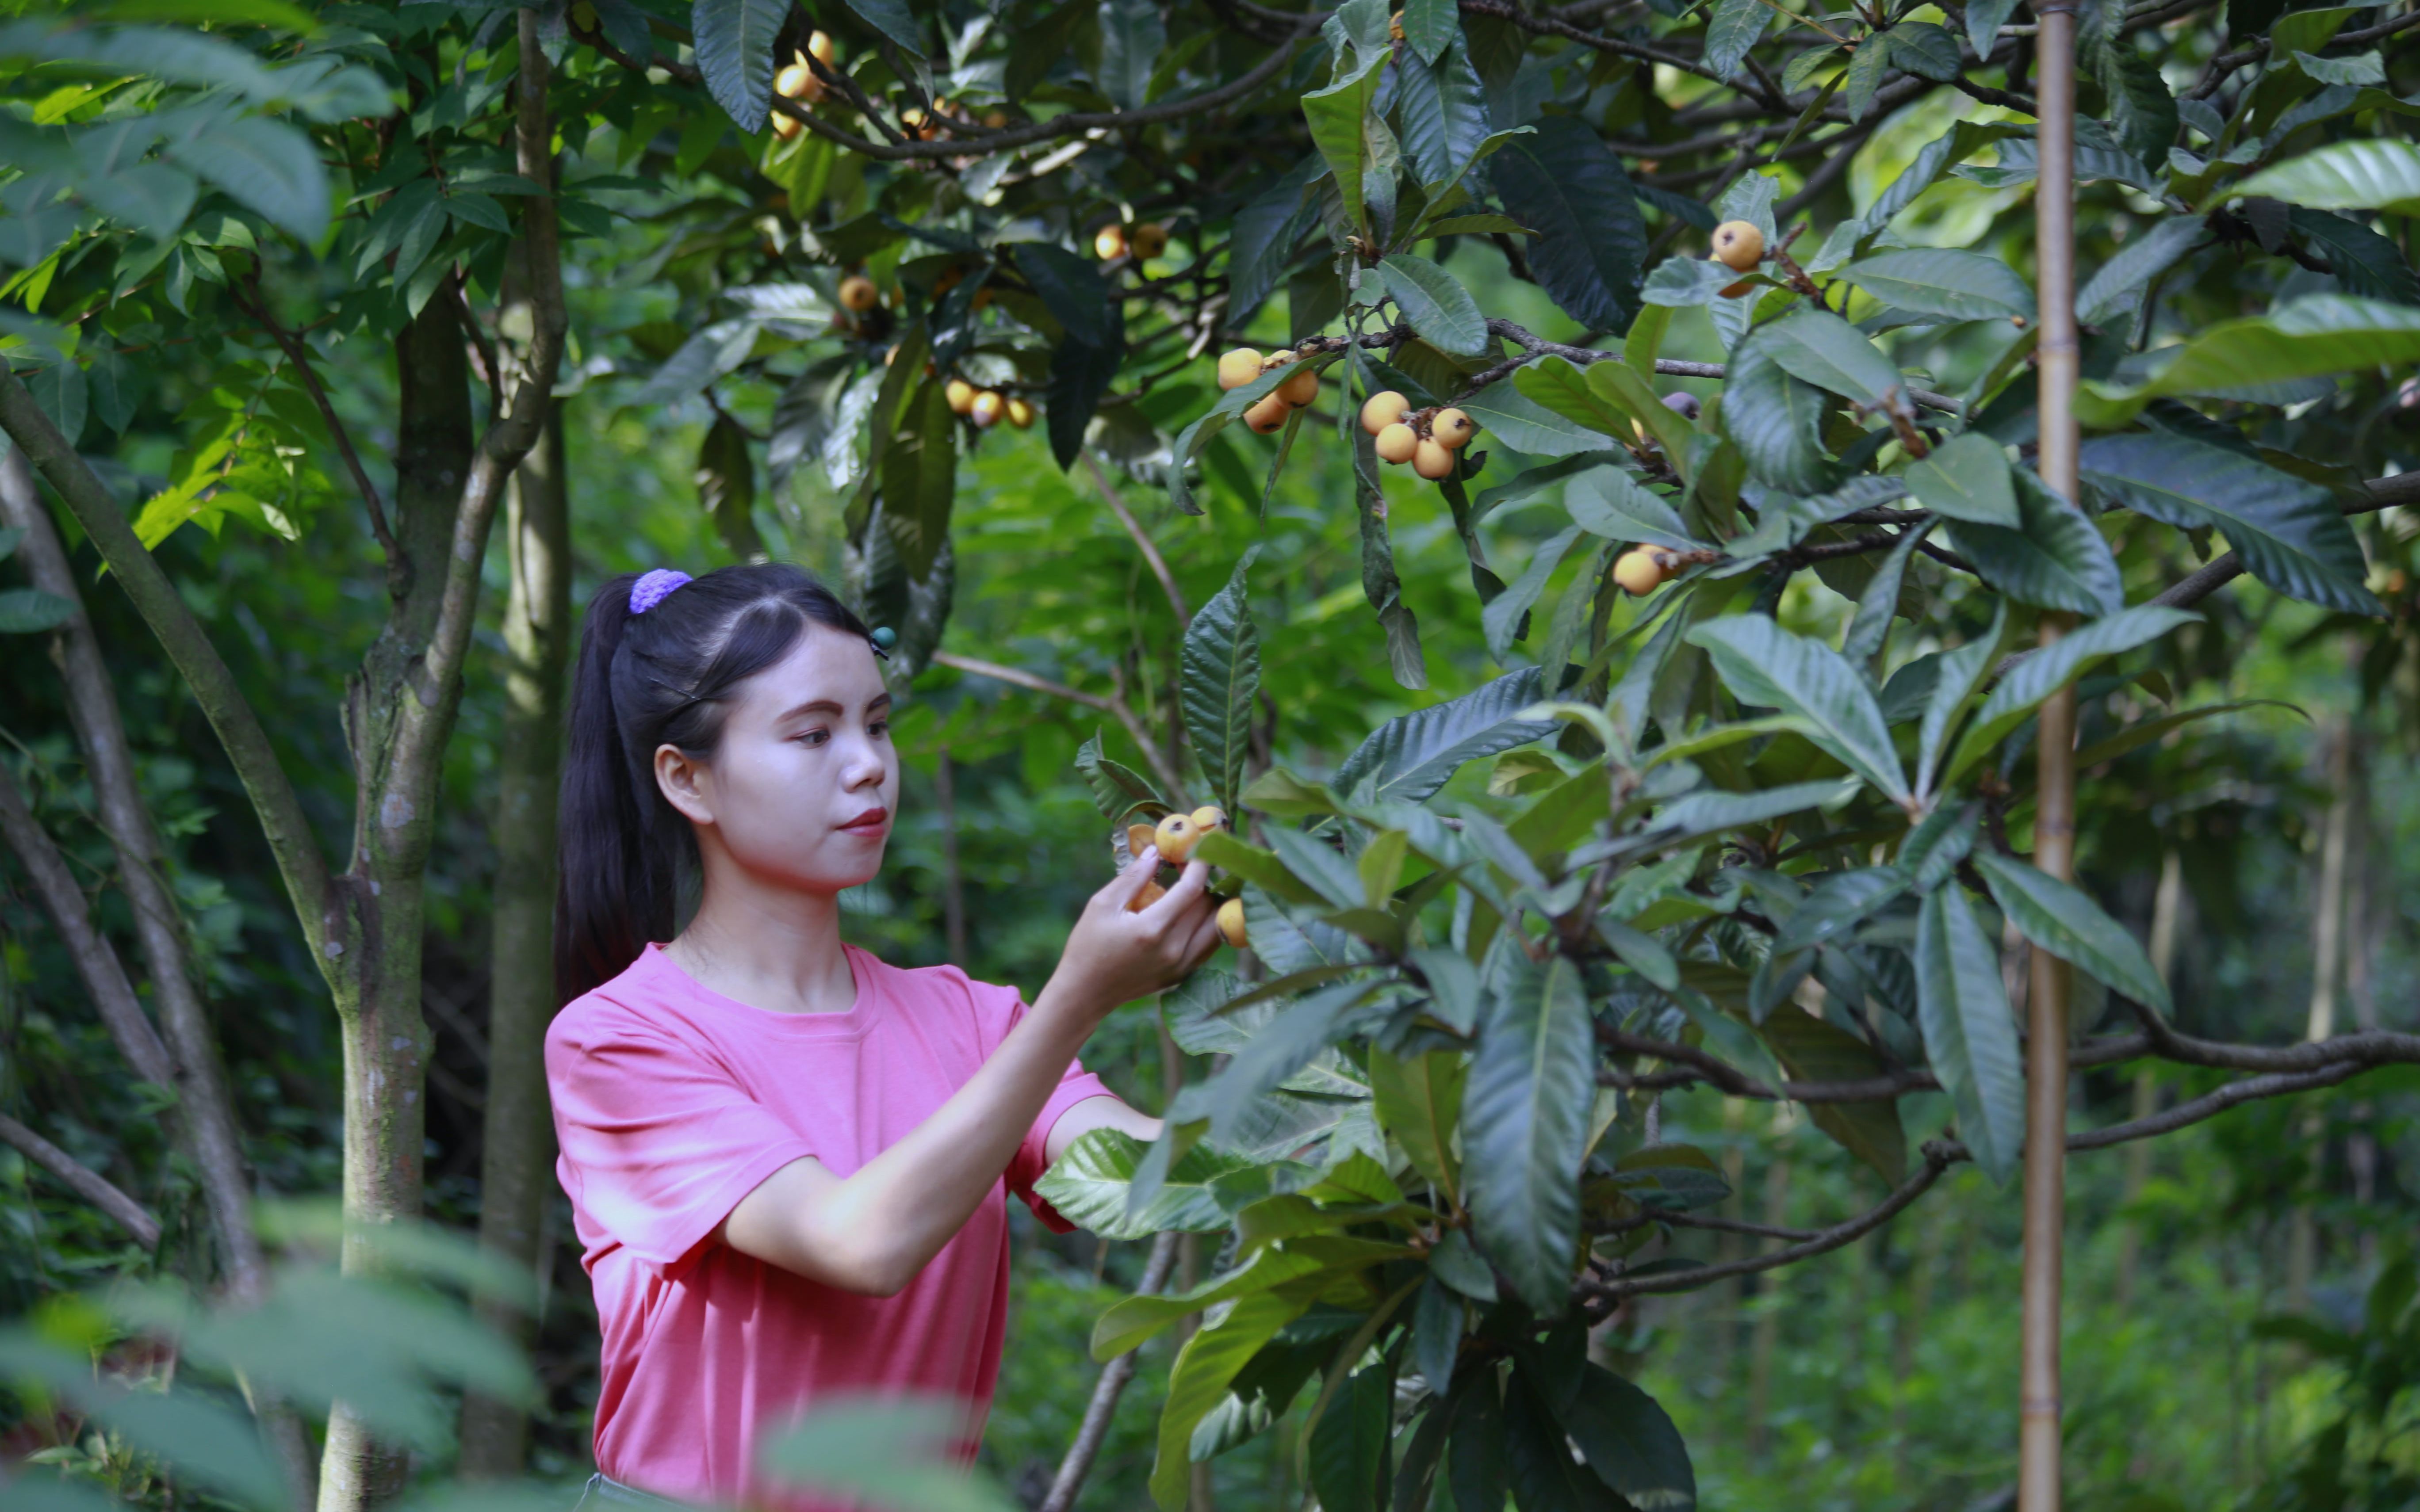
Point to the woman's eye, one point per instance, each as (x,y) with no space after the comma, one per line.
(879,729)
(816,737)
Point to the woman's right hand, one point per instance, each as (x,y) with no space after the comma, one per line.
(1114,956)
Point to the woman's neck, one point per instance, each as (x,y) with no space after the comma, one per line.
(771,947)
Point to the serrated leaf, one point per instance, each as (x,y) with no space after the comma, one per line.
(1735,27)
(1411,756)
(1116,788)
(2045,671)
(1436,304)
(1969,1034)
(267,166)
(1776,420)
(2146,255)
(1429,25)
(1524,1128)
(1563,179)
(2063,919)
(1958,676)
(1607,502)
(2288,531)
(1766,666)
(1419,1101)
(2058,559)
(2366,263)
(1336,115)
(1958,286)
(1502,620)
(1925,49)
(1221,665)
(1442,113)
(1870,627)
(1821,348)
(2313,336)
(1088,1185)
(1814,1050)
(733,40)
(1866,67)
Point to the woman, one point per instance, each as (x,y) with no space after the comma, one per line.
(786,1158)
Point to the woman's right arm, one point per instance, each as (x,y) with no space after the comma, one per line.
(872,1230)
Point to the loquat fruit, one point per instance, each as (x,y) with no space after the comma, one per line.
(1239,367)
(1109,243)
(1176,837)
(994,121)
(1300,389)
(1638,571)
(1231,922)
(1382,410)
(1452,429)
(1732,291)
(1739,245)
(1268,415)
(1148,240)
(961,395)
(987,409)
(819,47)
(1433,461)
(1397,443)
(1152,893)
(1210,817)
(857,293)
(1138,838)
(1020,413)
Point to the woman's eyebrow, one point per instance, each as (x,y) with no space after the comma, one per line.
(811,707)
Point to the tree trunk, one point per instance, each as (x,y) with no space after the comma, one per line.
(2166,907)
(203,1124)
(2327,959)
(516,1153)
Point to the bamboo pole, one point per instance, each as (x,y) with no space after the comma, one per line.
(2038,1446)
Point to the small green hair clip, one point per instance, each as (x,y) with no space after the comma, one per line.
(884,638)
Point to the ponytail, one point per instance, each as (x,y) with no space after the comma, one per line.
(644,680)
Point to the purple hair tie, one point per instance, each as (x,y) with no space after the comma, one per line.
(653,587)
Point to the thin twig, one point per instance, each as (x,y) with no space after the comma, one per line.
(87,1182)
(1143,541)
(1125,716)
(1094,1430)
(290,343)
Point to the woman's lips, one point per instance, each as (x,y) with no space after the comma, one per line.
(872,822)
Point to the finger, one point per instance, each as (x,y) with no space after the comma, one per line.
(1205,942)
(1127,885)
(1188,890)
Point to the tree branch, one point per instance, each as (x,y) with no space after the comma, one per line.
(303,869)
(1548,26)
(2378,493)
(87,1182)
(1106,1392)
(1125,716)
(1142,543)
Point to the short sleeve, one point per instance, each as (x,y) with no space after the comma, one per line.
(661,1139)
(1033,1155)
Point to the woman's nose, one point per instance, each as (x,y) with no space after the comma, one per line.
(865,766)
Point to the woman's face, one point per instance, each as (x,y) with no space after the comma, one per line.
(800,791)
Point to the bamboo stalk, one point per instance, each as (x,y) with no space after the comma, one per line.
(2037,1445)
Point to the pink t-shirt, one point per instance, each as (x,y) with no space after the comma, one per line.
(672,1102)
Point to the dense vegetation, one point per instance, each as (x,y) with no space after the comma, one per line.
(1613,951)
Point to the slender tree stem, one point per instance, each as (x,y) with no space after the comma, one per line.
(1143,541)
(1114,1376)
(1119,707)
(85,1182)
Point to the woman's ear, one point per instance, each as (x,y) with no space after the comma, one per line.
(683,782)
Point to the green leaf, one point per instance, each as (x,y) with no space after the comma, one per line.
(894,1456)
(919,478)
(1766,666)
(1411,756)
(1419,1101)
(1221,663)
(1709,813)
(267,166)
(1132,36)
(1814,1050)
(1678,283)
(1925,49)
(1984,20)
(1969,1034)
(1630,1441)
(2313,336)
(1607,502)
(1624,386)
(2288,531)
(1961,140)
(1564,180)
(1116,788)
(2366,263)
(1509,413)
(1205,1368)
(1136,1320)
(1524,1128)
(2045,671)
(2361,174)
(1348,1445)
(1289,1042)
(1776,420)
(1870,628)
(1735,27)
(734,45)
(1436,304)
(2115,284)
(1545,1476)
(890,18)
(1336,115)
(1866,67)
(2063,919)
(1958,676)
(1429,25)
(2056,560)
(1967,478)
(2141,109)
(1821,348)
(1090,1182)
(1959,285)
(1504,619)
(1559,385)
(706,356)
(2143,731)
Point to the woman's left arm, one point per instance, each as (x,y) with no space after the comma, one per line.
(1107,1111)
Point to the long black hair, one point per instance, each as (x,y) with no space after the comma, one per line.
(647,680)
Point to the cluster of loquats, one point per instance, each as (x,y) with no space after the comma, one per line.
(1145,241)
(799,82)
(1427,439)
(1242,366)
(988,407)
(1174,838)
